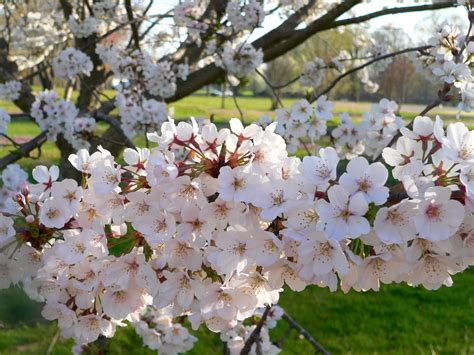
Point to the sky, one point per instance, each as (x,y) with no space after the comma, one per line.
(412,23)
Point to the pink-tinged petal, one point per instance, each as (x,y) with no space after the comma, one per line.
(185,298)
(338,197)
(358,167)
(392,157)
(236,126)
(347,181)
(358,204)
(378,195)
(378,173)
(455,133)
(358,226)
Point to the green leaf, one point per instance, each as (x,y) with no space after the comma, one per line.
(121,245)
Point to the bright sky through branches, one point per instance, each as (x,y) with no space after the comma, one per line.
(413,23)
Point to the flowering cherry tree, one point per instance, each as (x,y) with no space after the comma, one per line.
(208,223)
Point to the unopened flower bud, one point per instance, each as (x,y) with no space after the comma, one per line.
(30,218)
(19,199)
(25,189)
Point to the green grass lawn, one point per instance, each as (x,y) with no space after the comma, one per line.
(210,106)
(397,320)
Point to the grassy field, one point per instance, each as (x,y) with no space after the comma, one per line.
(208,106)
(397,320)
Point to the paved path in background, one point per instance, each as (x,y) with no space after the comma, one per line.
(17,139)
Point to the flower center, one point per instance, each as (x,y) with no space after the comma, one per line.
(52,213)
(345,214)
(364,185)
(433,211)
(238,183)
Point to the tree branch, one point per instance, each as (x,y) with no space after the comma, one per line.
(392,11)
(133,23)
(190,50)
(428,108)
(305,333)
(294,38)
(23,150)
(285,37)
(100,116)
(256,333)
(366,64)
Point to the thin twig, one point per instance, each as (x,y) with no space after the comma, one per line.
(305,147)
(256,332)
(235,101)
(319,348)
(53,342)
(366,64)
(272,87)
(428,108)
(15,144)
(442,96)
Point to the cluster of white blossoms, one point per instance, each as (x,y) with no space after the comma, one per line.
(136,68)
(380,125)
(83,130)
(236,337)
(371,135)
(131,105)
(348,137)
(188,14)
(53,115)
(159,331)
(70,63)
(450,60)
(303,122)
(12,178)
(4,121)
(239,60)
(38,34)
(160,78)
(10,90)
(313,73)
(85,28)
(245,17)
(61,117)
(125,66)
(212,223)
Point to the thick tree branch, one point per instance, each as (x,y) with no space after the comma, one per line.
(286,29)
(190,50)
(392,11)
(100,116)
(295,38)
(133,24)
(23,151)
(8,71)
(285,37)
